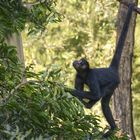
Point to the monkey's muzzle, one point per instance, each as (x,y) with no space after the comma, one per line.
(76,64)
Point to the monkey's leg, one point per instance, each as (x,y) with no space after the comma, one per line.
(109,89)
(107,111)
(106,91)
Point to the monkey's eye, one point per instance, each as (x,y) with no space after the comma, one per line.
(81,62)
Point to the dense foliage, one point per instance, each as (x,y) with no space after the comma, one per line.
(15,13)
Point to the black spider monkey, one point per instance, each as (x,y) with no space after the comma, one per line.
(101,81)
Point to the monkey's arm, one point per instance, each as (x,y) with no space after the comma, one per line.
(93,94)
(85,94)
(79,86)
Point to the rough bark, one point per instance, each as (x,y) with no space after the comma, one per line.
(122,99)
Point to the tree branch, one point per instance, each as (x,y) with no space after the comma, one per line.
(17,87)
(31,4)
(136,9)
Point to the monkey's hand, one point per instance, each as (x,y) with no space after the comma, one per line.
(86,100)
(90,104)
(68,90)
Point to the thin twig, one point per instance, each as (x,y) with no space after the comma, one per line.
(17,87)
(31,4)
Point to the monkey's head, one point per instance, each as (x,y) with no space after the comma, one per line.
(81,65)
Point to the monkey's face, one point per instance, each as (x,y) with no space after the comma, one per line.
(81,65)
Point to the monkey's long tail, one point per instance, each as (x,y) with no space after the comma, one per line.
(119,47)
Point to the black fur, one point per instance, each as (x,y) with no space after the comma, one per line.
(101,81)
(116,59)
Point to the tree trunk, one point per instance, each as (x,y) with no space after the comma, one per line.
(122,99)
(16,40)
